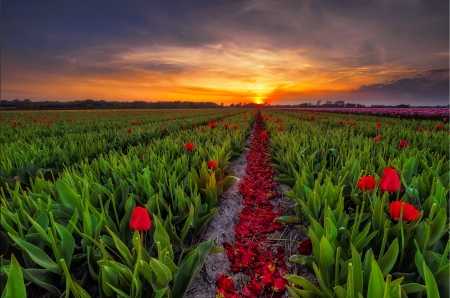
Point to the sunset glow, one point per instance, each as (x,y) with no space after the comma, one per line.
(261,52)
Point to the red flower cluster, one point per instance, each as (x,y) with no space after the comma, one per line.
(251,253)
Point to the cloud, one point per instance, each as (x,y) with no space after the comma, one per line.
(279,50)
(430,84)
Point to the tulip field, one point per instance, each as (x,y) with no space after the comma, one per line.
(113,203)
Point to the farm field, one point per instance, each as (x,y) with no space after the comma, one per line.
(330,203)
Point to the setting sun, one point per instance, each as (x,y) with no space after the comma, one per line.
(258,101)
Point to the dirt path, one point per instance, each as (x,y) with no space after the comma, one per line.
(220,228)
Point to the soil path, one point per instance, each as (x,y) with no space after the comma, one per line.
(220,228)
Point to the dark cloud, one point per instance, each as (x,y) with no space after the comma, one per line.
(431,84)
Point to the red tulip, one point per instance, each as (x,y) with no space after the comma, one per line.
(129,130)
(366,183)
(226,126)
(221,293)
(133,123)
(189,146)
(281,128)
(212,125)
(420,128)
(279,284)
(378,125)
(439,127)
(263,133)
(341,122)
(140,220)
(255,286)
(389,180)
(203,129)
(226,282)
(277,120)
(403,144)
(409,212)
(305,246)
(246,293)
(195,126)
(212,164)
(377,138)
(235,127)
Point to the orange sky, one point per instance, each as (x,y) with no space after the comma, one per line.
(258,52)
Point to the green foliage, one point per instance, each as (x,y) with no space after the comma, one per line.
(78,221)
(351,230)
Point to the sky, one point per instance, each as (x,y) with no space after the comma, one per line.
(265,51)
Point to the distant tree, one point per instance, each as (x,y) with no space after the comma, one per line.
(318,102)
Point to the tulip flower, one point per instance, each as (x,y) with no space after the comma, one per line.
(129,130)
(377,138)
(403,144)
(305,246)
(246,293)
(235,127)
(255,286)
(438,127)
(366,183)
(212,164)
(226,283)
(378,125)
(279,284)
(226,126)
(140,220)
(420,128)
(189,146)
(281,128)
(212,125)
(389,180)
(409,212)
